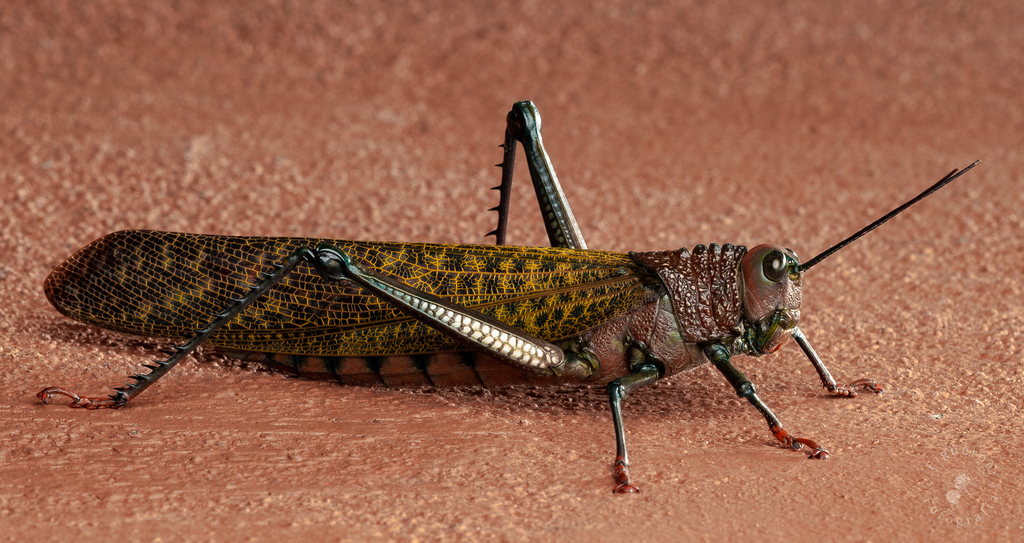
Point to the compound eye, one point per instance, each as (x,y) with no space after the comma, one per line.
(774,266)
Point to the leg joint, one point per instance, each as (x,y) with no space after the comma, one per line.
(579,365)
(616,391)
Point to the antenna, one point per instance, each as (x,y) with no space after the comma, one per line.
(833,249)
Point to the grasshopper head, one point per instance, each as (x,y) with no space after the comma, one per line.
(771,295)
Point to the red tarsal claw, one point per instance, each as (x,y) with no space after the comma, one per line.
(77,401)
(797,443)
(850,389)
(621,469)
(845,390)
(869,385)
(819,453)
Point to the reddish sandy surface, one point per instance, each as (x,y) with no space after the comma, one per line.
(670,125)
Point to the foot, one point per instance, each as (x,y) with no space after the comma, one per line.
(111,402)
(622,478)
(796,443)
(850,390)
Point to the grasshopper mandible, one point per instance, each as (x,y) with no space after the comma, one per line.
(408,314)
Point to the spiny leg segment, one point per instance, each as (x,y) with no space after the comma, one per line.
(523,126)
(143,381)
(508,166)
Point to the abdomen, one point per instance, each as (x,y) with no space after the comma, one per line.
(443,370)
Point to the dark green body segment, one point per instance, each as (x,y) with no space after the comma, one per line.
(166,284)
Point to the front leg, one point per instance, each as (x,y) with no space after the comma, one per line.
(481,332)
(826,378)
(719,356)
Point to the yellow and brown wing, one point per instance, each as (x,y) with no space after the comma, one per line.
(167,284)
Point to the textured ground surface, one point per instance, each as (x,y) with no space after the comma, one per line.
(669,125)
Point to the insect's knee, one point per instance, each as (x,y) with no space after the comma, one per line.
(579,365)
(331,263)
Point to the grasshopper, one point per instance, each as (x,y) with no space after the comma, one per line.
(411,314)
